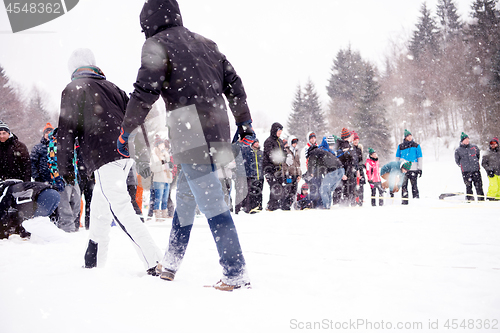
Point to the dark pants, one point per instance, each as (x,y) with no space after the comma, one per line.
(412,177)
(86,188)
(277,192)
(377,186)
(315,192)
(254,200)
(473,178)
(290,191)
(241,193)
(132,191)
(348,191)
(47,202)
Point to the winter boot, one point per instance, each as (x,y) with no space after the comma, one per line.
(158,216)
(164,214)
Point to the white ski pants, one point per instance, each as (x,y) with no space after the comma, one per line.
(111,200)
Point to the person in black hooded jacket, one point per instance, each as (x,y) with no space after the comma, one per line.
(14,156)
(92,110)
(192,76)
(273,159)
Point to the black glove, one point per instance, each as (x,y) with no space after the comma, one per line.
(245,128)
(143,169)
(419,173)
(491,174)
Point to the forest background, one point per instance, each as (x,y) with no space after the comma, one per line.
(442,80)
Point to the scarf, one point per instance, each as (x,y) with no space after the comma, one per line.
(88,71)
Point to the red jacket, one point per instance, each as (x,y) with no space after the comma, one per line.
(373,170)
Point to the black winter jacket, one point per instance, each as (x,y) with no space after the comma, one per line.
(467,157)
(347,156)
(491,161)
(321,162)
(192,76)
(274,153)
(92,111)
(14,160)
(39,167)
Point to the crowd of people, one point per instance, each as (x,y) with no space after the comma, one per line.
(101,151)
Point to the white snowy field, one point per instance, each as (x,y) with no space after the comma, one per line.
(414,268)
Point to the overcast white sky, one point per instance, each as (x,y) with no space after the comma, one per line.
(274,45)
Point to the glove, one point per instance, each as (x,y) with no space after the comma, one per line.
(491,174)
(59,184)
(122,143)
(371,185)
(419,173)
(143,169)
(245,128)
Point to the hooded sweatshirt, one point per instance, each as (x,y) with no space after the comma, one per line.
(274,153)
(192,76)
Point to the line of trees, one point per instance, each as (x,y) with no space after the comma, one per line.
(26,117)
(444,80)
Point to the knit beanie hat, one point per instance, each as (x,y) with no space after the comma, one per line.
(345,133)
(4,127)
(158,140)
(305,186)
(80,58)
(406,165)
(356,136)
(407,133)
(463,136)
(371,151)
(48,128)
(495,139)
(311,135)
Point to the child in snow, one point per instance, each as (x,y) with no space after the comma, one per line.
(491,163)
(21,201)
(373,175)
(303,199)
(393,174)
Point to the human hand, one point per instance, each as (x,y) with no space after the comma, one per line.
(122,143)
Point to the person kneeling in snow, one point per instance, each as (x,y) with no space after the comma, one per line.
(20,201)
(393,174)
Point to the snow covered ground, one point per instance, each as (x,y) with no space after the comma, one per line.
(430,266)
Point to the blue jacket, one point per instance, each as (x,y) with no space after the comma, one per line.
(39,162)
(394,171)
(410,151)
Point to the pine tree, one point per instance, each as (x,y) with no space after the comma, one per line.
(449,20)
(483,36)
(370,121)
(425,37)
(307,114)
(344,88)
(11,106)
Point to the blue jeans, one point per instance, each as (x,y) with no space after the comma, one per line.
(47,202)
(161,195)
(198,185)
(329,184)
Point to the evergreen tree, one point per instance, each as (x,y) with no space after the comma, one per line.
(425,37)
(449,20)
(370,121)
(307,114)
(483,36)
(11,106)
(344,88)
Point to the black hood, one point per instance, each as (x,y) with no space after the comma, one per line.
(274,129)
(158,15)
